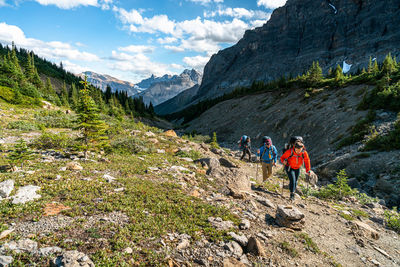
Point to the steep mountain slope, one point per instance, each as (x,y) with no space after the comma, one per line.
(161,91)
(177,102)
(323,121)
(101,81)
(301,32)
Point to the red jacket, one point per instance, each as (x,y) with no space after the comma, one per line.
(296,160)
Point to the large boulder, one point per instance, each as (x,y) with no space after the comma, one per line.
(6,187)
(26,194)
(72,259)
(289,216)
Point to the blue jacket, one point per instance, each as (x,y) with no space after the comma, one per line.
(271,154)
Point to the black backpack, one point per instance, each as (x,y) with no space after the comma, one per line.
(291,143)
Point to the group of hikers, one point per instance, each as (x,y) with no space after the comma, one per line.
(293,157)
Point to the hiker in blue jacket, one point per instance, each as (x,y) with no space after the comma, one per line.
(245,145)
(268,157)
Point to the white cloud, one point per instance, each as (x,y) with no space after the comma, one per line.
(271,4)
(139,64)
(198,45)
(197,62)
(67,4)
(72,67)
(205,2)
(238,13)
(137,49)
(131,17)
(167,40)
(51,50)
(257,23)
(3,2)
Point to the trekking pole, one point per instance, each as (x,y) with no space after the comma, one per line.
(308,183)
(283,180)
(256,171)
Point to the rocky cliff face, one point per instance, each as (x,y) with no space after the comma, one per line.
(101,81)
(163,90)
(301,32)
(177,101)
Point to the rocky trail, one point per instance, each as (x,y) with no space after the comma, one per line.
(272,231)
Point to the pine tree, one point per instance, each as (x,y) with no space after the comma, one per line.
(91,126)
(74,97)
(375,68)
(20,153)
(370,65)
(64,96)
(338,73)
(314,74)
(214,142)
(388,65)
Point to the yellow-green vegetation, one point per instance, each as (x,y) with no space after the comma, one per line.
(153,202)
(214,142)
(346,216)
(308,242)
(288,249)
(392,218)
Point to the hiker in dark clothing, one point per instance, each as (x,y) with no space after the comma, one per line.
(245,144)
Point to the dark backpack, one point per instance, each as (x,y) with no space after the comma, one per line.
(290,145)
(244,140)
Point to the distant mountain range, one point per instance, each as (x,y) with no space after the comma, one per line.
(153,89)
(166,87)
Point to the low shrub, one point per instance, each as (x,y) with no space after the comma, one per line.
(193,154)
(48,140)
(55,119)
(337,191)
(392,218)
(23,126)
(130,144)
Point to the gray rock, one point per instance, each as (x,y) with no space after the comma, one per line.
(72,259)
(184,244)
(234,248)
(23,245)
(244,224)
(26,194)
(211,163)
(47,251)
(227,163)
(109,178)
(241,239)
(219,224)
(266,202)
(6,261)
(288,216)
(6,187)
(255,247)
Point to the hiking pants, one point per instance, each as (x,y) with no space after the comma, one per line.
(246,150)
(266,170)
(293,175)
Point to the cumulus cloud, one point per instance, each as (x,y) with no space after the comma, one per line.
(197,62)
(271,4)
(205,2)
(167,40)
(238,13)
(139,64)
(67,4)
(137,49)
(3,2)
(50,50)
(198,45)
(74,68)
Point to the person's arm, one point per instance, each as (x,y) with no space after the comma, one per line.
(276,154)
(285,156)
(307,162)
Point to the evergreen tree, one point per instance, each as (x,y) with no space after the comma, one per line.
(20,153)
(214,142)
(370,65)
(89,123)
(338,73)
(388,65)
(314,73)
(64,96)
(375,69)
(151,109)
(74,97)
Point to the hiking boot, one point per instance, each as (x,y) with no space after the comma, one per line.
(292,196)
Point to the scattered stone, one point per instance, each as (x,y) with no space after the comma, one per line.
(160,151)
(54,209)
(25,194)
(183,244)
(227,163)
(236,193)
(170,133)
(135,132)
(234,248)
(74,166)
(72,259)
(375,262)
(150,134)
(119,189)
(20,246)
(211,163)
(195,193)
(179,169)
(217,151)
(363,229)
(6,187)
(187,159)
(63,169)
(5,233)
(6,261)
(204,147)
(128,250)
(232,262)
(289,216)
(154,140)
(220,224)
(255,247)
(266,202)
(244,224)
(109,178)
(241,239)
(47,251)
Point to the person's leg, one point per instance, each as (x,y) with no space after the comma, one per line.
(296,175)
(244,153)
(269,166)
(248,152)
(264,171)
(292,179)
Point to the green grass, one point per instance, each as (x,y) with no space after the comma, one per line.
(309,243)
(286,247)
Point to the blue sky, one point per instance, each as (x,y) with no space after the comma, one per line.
(130,39)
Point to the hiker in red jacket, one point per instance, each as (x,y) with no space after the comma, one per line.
(293,159)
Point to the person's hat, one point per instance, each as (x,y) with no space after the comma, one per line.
(298,144)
